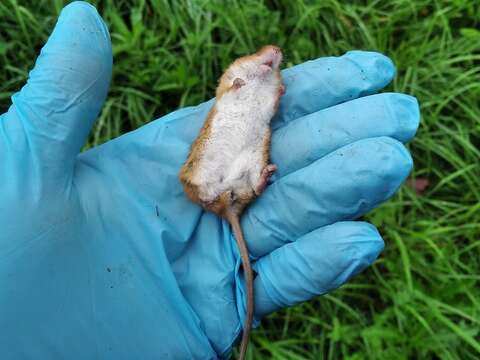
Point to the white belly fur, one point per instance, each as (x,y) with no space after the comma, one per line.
(233,155)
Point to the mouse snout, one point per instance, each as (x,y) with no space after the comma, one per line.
(276,49)
(271,56)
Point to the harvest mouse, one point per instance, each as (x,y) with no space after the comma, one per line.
(228,164)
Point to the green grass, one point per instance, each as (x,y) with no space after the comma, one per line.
(421,299)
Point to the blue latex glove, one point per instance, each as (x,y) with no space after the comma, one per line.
(103,257)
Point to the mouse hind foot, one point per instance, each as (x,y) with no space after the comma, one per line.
(265,175)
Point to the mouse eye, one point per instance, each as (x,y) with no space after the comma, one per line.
(268,63)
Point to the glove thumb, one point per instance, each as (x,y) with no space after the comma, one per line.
(66,89)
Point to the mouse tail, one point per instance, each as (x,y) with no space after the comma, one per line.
(234,221)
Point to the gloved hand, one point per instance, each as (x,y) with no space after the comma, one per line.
(103,257)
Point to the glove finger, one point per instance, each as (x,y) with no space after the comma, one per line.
(344,185)
(313,136)
(327,81)
(315,264)
(67,87)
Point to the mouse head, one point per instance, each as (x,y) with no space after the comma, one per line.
(253,71)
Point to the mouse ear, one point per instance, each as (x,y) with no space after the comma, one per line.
(238,83)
